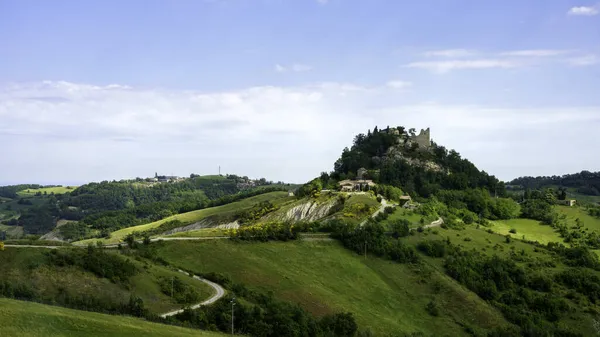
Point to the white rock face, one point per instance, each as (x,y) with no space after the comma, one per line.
(309,211)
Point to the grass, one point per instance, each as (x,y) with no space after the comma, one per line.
(12,232)
(324,278)
(573,213)
(222,213)
(204,232)
(28,266)
(412,216)
(478,239)
(531,230)
(47,190)
(28,319)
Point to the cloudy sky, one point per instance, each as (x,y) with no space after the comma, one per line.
(95,90)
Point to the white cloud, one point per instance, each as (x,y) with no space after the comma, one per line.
(537,52)
(446,66)
(296,67)
(397,84)
(586,60)
(450,53)
(584,10)
(87,132)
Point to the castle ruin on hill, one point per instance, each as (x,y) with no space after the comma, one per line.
(423,139)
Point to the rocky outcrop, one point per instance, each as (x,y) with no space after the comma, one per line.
(204,223)
(53,235)
(308,211)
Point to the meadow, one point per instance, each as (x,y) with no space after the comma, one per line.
(323,277)
(28,319)
(47,190)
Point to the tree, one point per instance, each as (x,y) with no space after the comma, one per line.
(562,193)
(400,228)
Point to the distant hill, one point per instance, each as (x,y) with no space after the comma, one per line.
(584,182)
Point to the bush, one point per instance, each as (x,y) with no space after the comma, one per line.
(513,231)
(95,260)
(432,308)
(435,248)
(400,228)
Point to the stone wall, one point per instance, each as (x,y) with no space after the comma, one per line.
(423,138)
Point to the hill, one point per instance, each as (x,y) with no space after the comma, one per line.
(323,277)
(203,218)
(397,157)
(96,209)
(584,186)
(27,319)
(46,190)
(93,279)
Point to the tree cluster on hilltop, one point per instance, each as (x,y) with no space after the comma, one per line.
(584,182)
(446,169)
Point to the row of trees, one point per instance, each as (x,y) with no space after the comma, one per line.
(584,182)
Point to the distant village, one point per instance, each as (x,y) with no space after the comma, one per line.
(242,183)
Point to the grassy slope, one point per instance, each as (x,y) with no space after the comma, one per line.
(533,230)
(27,319)
(578,212)
(473,238)
(48,190)
(224,211)
(413,217)
(325,277)
(204,232)
(12,231)
(27,266)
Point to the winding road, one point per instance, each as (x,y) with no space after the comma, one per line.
(435,223)
(220,293)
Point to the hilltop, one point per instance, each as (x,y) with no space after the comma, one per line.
(583,186)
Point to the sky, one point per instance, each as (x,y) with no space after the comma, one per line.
(103,90)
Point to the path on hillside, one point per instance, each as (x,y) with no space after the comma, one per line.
(384,204)
(220,293)
(435,223)
(33,246)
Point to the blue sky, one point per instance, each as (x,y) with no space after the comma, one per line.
(114,89)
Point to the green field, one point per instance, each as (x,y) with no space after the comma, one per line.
(28,319)
(477,239)
(573,213)
(204,232)
(27,266)
(12,232)
(324,277)
(47,190)
(531,230)
(220,214)
(413,217)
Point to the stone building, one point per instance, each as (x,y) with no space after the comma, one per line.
(423,139)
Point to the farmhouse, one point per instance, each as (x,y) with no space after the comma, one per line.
(568,202)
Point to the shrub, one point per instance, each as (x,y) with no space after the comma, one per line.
(513,231)
(435,248)
(432,308)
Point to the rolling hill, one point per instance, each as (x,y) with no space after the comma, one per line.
(28,319)
(323,277)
